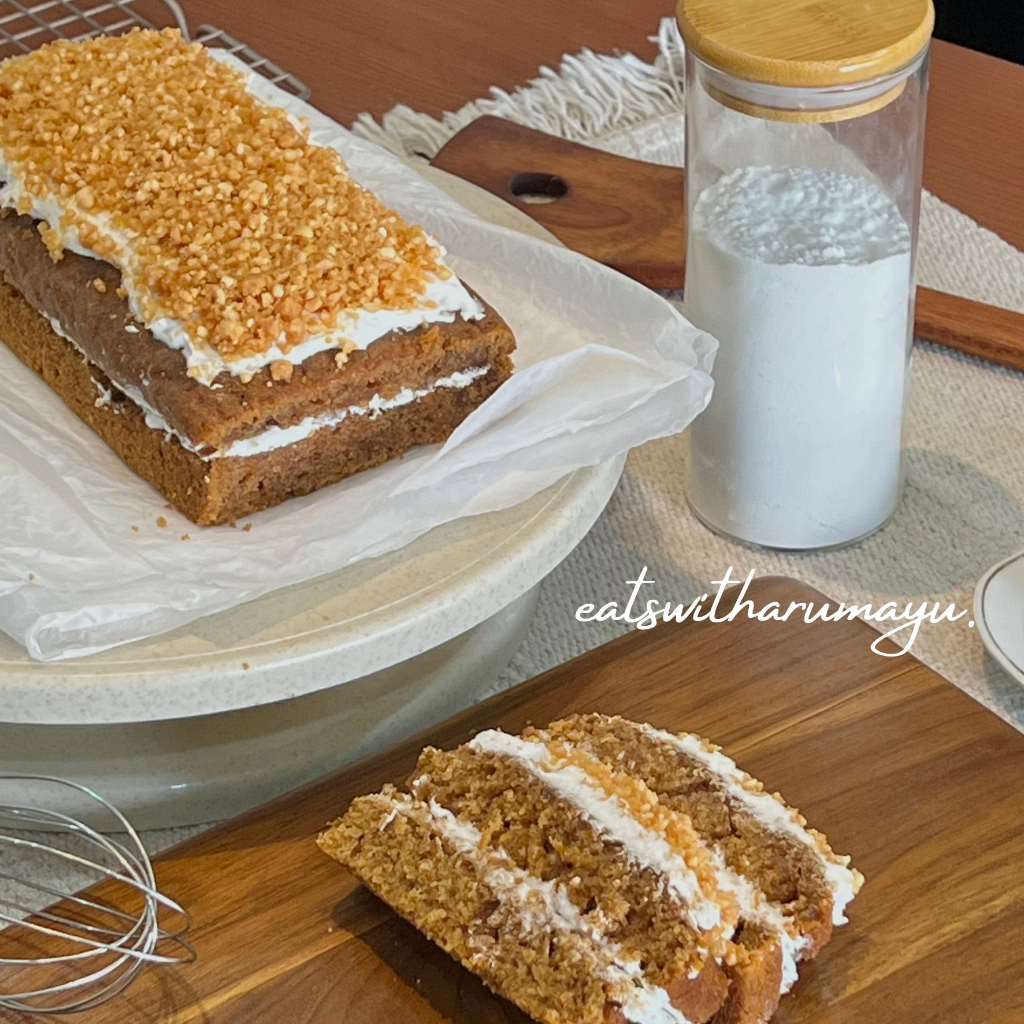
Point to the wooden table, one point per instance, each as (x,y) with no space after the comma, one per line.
(436,54)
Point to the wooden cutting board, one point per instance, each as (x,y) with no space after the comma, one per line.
(903,771)
(631,215)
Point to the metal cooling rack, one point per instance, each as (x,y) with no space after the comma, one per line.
(26,26)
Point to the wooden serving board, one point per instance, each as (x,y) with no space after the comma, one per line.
(903,771)
(631,216)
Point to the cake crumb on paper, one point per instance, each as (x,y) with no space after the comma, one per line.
(245,664)
(185,536)
(31,576)
(247,528)
(161,522)
(135,529)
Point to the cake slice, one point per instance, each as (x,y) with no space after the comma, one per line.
(638,871)
(210,290)
(521,934)
(631,875)
(602,872)
(789,883)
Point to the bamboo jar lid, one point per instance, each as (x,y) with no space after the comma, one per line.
(806,42)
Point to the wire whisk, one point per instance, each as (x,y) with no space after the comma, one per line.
(79,950)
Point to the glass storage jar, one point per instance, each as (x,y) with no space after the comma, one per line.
(804,142)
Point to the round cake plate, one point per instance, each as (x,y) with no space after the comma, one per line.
(999,614)
(210,719)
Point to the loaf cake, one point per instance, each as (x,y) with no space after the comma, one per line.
(601,872)
(209,290)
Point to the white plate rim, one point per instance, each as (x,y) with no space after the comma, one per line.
(981,623)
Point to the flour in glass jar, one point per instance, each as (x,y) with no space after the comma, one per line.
(802,275)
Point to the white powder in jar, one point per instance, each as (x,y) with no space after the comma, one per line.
(804,276)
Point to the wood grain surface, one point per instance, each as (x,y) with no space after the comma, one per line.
(631,216)
(436,55)
(990,333)
(625,213)
(902,770)
(807,42)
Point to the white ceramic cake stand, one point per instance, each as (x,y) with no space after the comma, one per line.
(216,717)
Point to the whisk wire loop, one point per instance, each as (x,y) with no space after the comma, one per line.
(104,941)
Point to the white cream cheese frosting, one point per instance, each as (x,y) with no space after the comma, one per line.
(442,302)
(281,437)
(276,437)
(771,812)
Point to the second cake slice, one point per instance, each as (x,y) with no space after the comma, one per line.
(790,886)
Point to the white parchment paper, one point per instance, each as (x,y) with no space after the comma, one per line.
(602,365)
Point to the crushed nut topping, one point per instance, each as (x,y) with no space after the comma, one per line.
(216,207)
(281,369)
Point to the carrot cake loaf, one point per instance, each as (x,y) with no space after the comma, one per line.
(209,290)
(602,872)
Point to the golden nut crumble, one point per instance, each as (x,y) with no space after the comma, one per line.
(281,369)
(222,214)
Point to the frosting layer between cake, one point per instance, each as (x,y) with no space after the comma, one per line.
(275,436)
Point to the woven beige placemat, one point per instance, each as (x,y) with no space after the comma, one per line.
(962,510)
